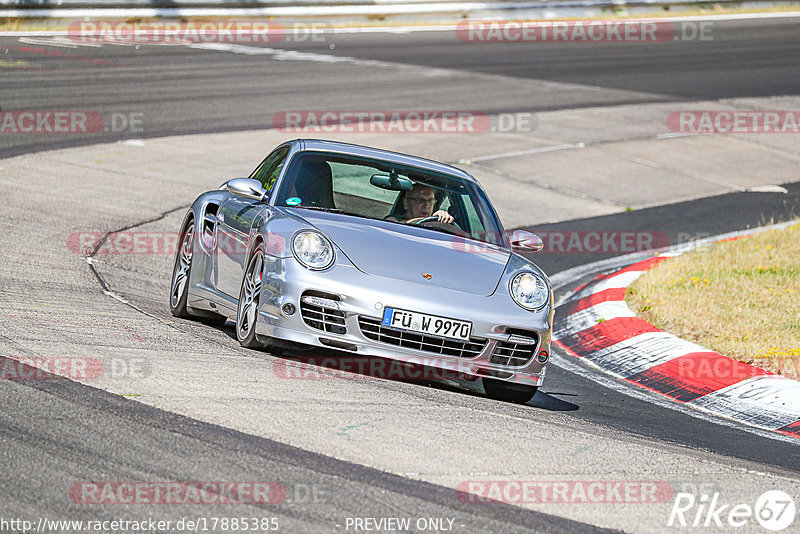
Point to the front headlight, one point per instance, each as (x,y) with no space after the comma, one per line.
(313,250)
(529,291)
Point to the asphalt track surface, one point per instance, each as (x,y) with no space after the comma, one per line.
(178,90)
(100,434)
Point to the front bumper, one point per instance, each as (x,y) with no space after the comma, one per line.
(363,295)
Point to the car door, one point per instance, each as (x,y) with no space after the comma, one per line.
(235,224)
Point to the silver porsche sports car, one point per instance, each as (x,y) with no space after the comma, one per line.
(373,252)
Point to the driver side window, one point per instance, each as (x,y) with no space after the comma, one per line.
(269,170)
(445,204)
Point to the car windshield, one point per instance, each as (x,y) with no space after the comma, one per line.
(345,184)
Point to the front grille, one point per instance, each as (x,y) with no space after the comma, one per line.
(320,317)
(374,330)
(515,354)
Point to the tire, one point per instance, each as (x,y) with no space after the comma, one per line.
(508,391)
(179,286)
(181,271)
(249,299)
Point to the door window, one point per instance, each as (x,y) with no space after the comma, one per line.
(269,170)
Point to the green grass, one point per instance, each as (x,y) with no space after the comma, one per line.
(739,298)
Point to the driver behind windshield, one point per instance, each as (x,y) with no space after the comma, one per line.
(418,203)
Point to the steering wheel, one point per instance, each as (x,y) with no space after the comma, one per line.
(434,222)
(422,220)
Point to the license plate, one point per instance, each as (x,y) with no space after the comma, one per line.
(427,324)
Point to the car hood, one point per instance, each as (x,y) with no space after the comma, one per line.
(413,254)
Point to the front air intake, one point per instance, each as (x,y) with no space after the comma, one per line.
(518,350)
(320,310)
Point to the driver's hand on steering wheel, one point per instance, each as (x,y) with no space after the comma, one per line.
(444,217)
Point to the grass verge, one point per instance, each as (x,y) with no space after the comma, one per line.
(739,298)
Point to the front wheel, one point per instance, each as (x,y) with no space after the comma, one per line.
(249,299)
(509,391)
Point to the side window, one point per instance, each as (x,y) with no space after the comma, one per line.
(445,204)
(270,168)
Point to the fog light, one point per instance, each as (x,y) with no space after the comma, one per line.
(542,357)
(321,302)
(288,309)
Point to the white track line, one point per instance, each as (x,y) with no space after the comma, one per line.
(522,153)
(316,11)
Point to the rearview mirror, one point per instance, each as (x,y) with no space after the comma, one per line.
(522,241)
(392,182)
(247,188)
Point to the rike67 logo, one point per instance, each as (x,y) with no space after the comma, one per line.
(774,510)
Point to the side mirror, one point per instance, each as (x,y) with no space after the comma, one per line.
(522,241)
(247,188)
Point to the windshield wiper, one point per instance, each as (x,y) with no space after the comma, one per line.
(318,208)
(331,210)
(459,233)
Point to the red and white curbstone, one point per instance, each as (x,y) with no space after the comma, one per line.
(595,324)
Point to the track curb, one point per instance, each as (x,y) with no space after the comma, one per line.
(594,323)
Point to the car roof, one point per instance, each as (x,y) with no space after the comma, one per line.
(322,145)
